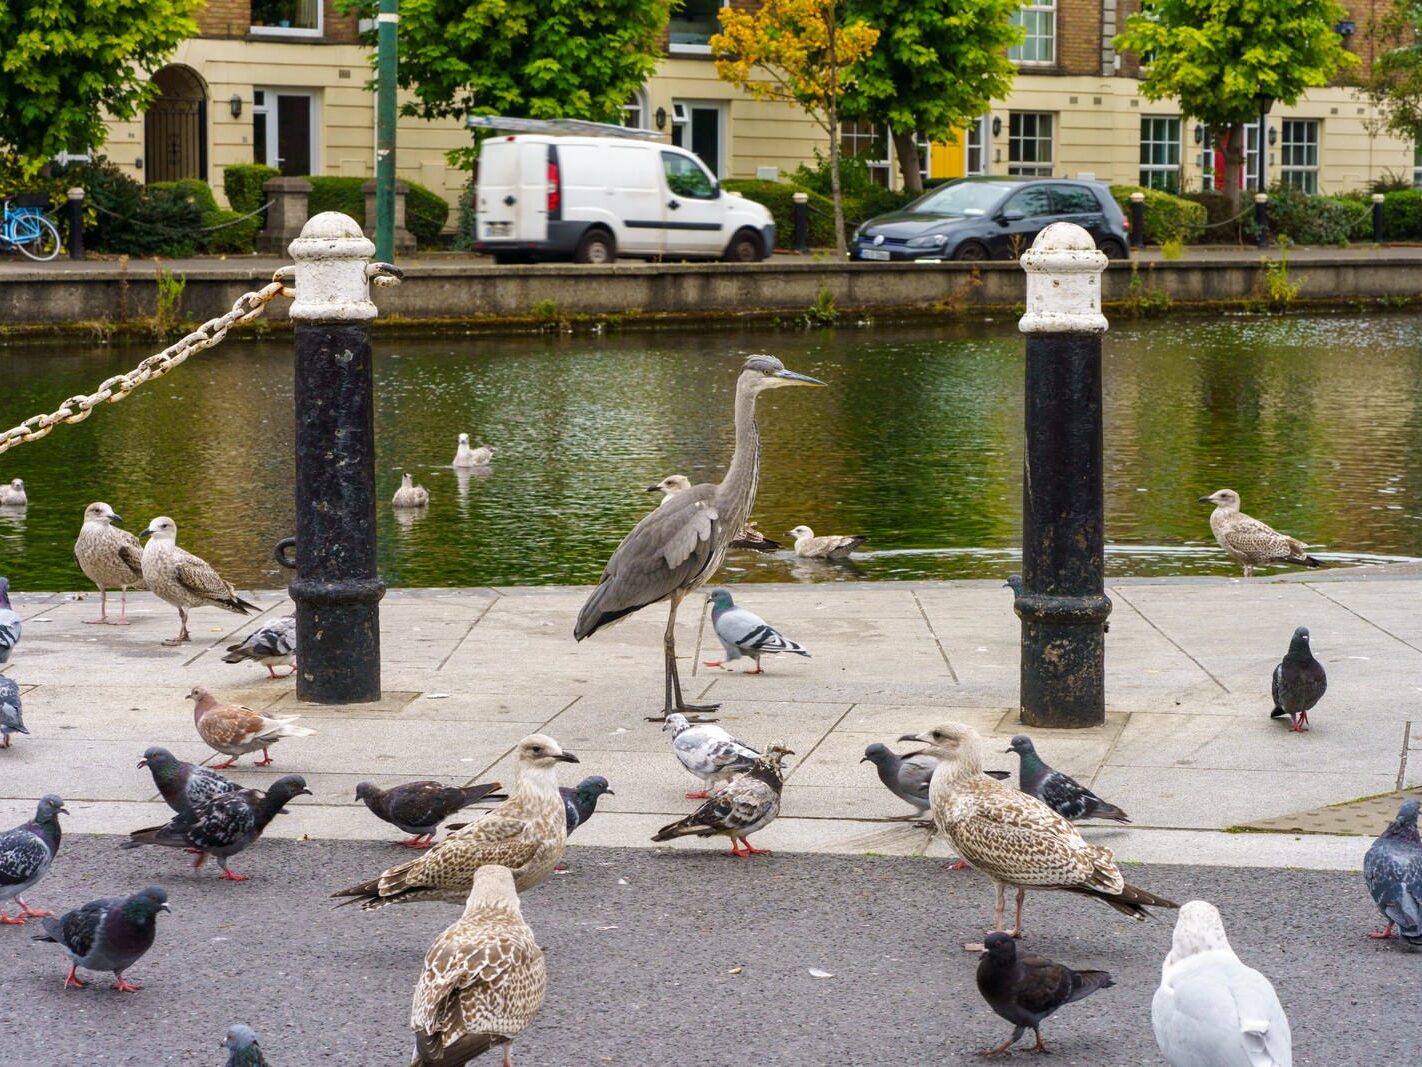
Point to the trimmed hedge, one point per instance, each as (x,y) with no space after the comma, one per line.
(1167,217)
(133,219)
(1317,220)
(777,198)
(1402,215)
(425,211)
(221,232)
(242,182)
(1217,209)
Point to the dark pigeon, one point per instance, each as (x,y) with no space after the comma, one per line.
(9,623)
(1299,683)
(1393,870)
(12,721)
(1024,989)
(1014,582)
(108,935)
(224,825)
(184,785)
(242,1048)
(25,855)
(1060,792)
(580,802)
(419,807)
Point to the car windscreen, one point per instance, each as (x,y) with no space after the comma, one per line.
(962,198)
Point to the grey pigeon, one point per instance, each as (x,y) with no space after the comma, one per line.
(11,719)
(9,623)
(1299,683)
(907,777)
(25,855)
(1060,792)
(580,802)
(107,935)
(224,825)
(272,645)
(419,807)
(242,1048)
(183,785)
(1024,989)
(708,752)
(1014,582)
(744,633)
(1393,870)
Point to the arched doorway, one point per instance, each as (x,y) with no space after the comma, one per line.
(175,127)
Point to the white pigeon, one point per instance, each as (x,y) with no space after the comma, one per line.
(708,752)
(272,645)
(464,456)
(744,633)
(1211,1010)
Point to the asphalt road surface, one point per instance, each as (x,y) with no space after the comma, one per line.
(679,958)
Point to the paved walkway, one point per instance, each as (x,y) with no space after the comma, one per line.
(1188,749)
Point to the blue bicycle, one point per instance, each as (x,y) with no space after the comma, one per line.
(24,226)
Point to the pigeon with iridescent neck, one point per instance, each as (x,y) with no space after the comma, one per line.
(1060,792)
(1393,871)
(107,935)
(183,786)
(744,633)
(1299,683)
(242,1047)
(25,855)
(10,627)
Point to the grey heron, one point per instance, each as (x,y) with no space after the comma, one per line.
(679,545)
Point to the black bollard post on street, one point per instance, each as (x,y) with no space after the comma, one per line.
(1138,220)
(802,222)
(76,223)
(1377,218)
(1261,218)
(336,589)
(1063,603)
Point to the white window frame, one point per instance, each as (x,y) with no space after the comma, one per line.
(1038,168)
(1302,176)
(1417,165)
(1251,159)
(268,107)
(978,137)
(675,49)
(1148,166)
(1031,15)
(293,31)
(854,133)
(681,116)
(636,107)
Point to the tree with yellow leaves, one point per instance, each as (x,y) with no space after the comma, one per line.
(805,50)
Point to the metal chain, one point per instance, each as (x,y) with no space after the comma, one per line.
(77,408)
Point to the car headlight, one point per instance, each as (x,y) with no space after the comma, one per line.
(928,240)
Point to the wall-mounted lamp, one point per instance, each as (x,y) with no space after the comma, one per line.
(235,105)
(1346,28)
(1199,134)
(1273,135)
(996,125)
(661,118)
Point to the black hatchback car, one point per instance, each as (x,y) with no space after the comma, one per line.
(991,218)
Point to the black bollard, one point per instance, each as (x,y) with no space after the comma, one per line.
(1261,218)
(76,223)
(1138,220)
(802,222)
(1377,218)
(1063,604)
(336,589)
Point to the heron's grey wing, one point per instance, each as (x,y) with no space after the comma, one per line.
(668,550)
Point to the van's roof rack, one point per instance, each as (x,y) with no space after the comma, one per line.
(564,127)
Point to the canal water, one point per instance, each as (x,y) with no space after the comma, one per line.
(1315,420)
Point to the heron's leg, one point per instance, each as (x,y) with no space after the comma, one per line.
(673,701)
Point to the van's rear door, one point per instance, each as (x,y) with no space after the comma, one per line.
(513,190)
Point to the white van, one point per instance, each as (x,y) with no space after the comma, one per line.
(592,199)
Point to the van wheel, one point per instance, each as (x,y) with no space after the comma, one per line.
(1112,248)
(596,247)
(744,248)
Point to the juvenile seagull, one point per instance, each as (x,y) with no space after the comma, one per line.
(483,980)
(1250,541)
(748,803)
(743,632)
(1211,1008)
(1299,682)
(272,645)
(13,495)
(107,935)
(235,730)
(464,456)
(12,720)
(242,1047)
(526,833)
(183,785)
(808,546)
(410,495)
(10,626)
(1024,989)
(678,547)
(708,752)
(111,558)
(1393,870)
(1060,792)
(25,855)
(1015,839)
(750,537)
(184,580)
(419,807)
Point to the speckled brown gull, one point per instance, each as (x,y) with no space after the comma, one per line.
(1013,838)
(184,580)
(1249,541)
(526,833)
(111,558)
(464,456)
(483,979)
(808,546)
(410,495)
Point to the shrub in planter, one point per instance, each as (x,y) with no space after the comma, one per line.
(1314,220)
(1167,217)
(242,182)
(777,198)
(425,214)
(1402,215)
(219,230)
(330,193)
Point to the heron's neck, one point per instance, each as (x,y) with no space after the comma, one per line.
(744,473)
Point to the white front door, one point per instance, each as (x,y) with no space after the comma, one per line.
(284,125)
(700,129)
(696,207)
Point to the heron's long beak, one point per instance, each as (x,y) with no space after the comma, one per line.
(792,378)
(567,757)
(1205,500)
(912,737)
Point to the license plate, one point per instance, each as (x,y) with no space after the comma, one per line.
(874,253)
(496,229)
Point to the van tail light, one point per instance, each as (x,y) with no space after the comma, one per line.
(555,190)
(1126,223)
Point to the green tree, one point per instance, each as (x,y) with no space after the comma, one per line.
(1223,59)
(937,66)
(67,66)
(1394,85)
(538,59)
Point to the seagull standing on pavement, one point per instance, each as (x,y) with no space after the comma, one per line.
(1299,682)
(1249,541)
(110,557)
(744,633)
(184,580)
(708,752)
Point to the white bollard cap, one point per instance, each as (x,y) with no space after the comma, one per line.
(1138,198)
(331,257)
(800,198)
(1063,282)
(1378,198)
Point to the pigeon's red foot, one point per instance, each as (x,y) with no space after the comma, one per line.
(711,663)
(265,761)
(118,622)
(751,850)
(236,877)
(419,841)
(71,980)
(1383,935)
(758,670)
(958,865)
(232,762)
(12,920)
(32,913)
(703,795)
(100,621)
(125,986)
(201,857)
(560,868)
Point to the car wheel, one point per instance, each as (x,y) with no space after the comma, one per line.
(744,248)
(596,246)
(971,252)
(1113,248)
